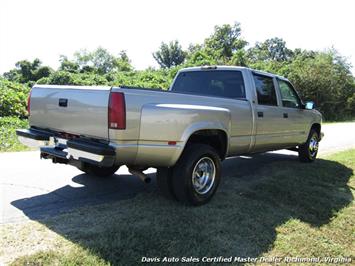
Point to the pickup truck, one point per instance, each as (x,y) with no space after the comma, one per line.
(207,115)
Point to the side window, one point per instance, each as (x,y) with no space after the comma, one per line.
(265,90)
(288,95)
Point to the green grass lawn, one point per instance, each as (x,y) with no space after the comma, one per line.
(278,208)
(8,138)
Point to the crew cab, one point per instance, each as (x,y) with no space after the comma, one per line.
(207,115)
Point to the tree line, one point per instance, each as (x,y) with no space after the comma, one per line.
(322,76)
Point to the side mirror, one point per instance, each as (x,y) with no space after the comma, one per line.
(309,105)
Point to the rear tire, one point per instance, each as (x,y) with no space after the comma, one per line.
(94,170)
(196,175)
(164,182)
(307,152)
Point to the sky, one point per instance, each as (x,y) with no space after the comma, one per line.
(46,29)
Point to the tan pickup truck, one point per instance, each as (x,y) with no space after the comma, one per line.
(208,114)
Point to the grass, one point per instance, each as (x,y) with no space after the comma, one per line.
(8,138)
(265,207)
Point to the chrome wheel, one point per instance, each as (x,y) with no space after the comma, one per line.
(313,145)
(203,175)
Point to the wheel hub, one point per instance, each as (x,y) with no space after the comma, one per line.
(313,145)
(203,175)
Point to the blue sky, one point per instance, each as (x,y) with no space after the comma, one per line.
(47,29)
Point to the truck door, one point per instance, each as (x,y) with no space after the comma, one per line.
(294,120)
(269,130)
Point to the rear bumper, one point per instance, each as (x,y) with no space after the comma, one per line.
(91,152)
(54,147)
(33,138)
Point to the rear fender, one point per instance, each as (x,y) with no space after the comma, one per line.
(163,123)
(204,125)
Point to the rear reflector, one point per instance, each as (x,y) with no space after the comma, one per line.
(117,111)
(29,103)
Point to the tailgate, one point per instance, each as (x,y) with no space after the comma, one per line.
(78,110)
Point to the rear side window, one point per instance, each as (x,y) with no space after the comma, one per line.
(265,90)
(218,83)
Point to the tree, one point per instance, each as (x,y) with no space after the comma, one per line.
(271,49)
(122,62)
(225,42)
(200,58)
(170,54)
(68,65)
(83,58)
(27,71)
(326,79)
(101,61)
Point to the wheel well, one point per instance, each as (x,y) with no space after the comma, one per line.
(316,126)
(213,137)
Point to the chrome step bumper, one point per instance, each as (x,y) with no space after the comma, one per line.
(54,147)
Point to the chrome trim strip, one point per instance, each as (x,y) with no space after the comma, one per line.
(76,154)
(32,142)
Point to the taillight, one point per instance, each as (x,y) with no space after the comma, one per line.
(29,103)
(117,111)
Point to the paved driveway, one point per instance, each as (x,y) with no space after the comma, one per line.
(337,137)
(34,188)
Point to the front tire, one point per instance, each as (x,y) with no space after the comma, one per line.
(98,171)
(196,175)
(308,151)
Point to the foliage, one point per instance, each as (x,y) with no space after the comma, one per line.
(28,72)
(323,77)
(200,57)
(68,65)
(350,105)
(68,78)
(99,62)
(8,138)
(225,42)
(327,81)
(270,50)
(150,78)
(170,55)
(13,98)
(223,47)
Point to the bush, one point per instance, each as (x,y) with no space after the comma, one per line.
(8,138)
(158,79)
(327,81)
(13,98)
(150,78)
(322,77)
(67,78)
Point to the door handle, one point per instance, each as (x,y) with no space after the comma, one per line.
(63,102)
(285,115)
(260,114)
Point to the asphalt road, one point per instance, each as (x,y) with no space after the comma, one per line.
(31,188)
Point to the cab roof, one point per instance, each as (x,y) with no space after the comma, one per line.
(199,68)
